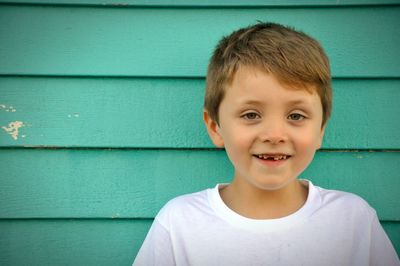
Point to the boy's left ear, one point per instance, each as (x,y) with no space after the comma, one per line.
(213,130)
(321,137)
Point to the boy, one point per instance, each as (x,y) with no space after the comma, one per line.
(268,99)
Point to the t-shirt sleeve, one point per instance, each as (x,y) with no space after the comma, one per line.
(156,248)
(382,251)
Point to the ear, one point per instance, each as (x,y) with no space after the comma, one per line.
(321,137)
(213,130)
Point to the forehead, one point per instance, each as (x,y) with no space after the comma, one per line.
(251,84)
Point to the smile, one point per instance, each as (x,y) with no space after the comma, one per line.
(276,157)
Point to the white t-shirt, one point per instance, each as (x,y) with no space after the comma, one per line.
(332,228)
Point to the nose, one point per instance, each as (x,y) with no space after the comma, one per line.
(273,132)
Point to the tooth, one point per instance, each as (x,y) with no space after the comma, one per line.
(272,157)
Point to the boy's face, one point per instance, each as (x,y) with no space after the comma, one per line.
(270,132)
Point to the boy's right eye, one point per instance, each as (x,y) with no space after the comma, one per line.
(250,116)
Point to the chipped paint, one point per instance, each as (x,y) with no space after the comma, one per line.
(76,115)
(13,129)
(117,215)
(7,109)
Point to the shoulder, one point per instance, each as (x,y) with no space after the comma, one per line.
(347,203)
(184,207)
(187,201)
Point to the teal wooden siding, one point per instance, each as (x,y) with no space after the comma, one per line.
(100,115)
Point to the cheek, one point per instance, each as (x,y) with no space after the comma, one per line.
(238,145)
(305,151)
(308,142)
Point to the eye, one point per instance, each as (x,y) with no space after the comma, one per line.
(250,116)
(296,117)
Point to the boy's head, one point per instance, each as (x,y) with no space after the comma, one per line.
(295,59)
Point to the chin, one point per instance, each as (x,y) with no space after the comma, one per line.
(273,185)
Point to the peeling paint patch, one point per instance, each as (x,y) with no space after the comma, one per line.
(76,115)
(13,129)
(7,109)
(115,216)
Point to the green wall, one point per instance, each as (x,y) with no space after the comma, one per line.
(100,115)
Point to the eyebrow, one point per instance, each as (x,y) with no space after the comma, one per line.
(292,102)
(296,102)
(250,102)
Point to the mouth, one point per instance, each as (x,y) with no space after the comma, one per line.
(272,157)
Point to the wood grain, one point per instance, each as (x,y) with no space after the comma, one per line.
(205,3)
(97,41)
(137,183)
(167,113)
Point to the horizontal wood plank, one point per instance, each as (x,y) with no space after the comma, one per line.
(206,3)
(137,183)
(62,40)
(71,242)
(86,242)
(167,113)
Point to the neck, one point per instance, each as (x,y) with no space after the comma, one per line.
(256,203)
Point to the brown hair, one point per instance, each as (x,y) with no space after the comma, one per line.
(294,58)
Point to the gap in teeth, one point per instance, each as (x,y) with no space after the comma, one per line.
(275,158)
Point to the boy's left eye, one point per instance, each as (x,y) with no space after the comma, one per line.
(296,116)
